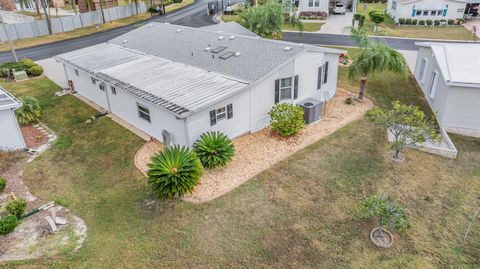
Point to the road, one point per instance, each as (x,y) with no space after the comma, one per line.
(194,16)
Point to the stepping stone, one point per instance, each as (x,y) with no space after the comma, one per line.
(60,221)
(51,223)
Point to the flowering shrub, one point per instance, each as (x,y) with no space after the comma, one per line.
(313,15)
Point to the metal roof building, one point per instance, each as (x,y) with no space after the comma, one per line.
(10,136)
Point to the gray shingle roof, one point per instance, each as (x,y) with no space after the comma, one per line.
(231,28)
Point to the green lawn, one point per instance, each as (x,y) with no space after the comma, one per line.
(308,26)
(301,213)
(389,28)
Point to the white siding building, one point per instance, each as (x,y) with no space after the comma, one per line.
(449,75)
(10,136)
(175,82)
(427,9)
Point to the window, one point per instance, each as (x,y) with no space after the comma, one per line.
(114,91)
(76,72)
(310,3)
(102,86)
(433,84)
(143,112)
(93,80)
(425,13)
(421,73)
(394,5)
(325,73)
(221,113)
(313,3)
(317,3)
(419,13)
(285,89)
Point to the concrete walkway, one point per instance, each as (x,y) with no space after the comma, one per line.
(470,24)
(337,24)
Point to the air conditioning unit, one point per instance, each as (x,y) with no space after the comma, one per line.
(311,110)
(166,137)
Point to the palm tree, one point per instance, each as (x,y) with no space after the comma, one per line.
(374,57)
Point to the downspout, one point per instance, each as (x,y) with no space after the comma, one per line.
(108,99)
(66,74)
(187,137)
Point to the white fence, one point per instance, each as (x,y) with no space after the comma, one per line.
(69,23)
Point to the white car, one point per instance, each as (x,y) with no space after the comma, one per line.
(339,9)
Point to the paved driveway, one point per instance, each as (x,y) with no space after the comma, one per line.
(337,24)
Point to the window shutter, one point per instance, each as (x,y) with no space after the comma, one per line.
(325,78)
(319,79)
(229,111)
(213,118)
(277,91)
(295,87)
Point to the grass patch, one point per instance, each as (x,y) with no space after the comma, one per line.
(308,26)
(389,27)
(303,212)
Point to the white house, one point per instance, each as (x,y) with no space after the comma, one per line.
(176,82)
(449,75)
(325,6)
(10,136)
(428,9)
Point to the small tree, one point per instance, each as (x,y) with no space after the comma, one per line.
(286,119)
(377,17)
(386,211)
(30,110)
(407,123)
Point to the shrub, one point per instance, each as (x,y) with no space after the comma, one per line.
(4,72)
(349,101)
(436,22)
(28,63)
(8,224)
(408,21)
(460,21)
(401,21)
(30,110)
(153,10)
(177,1)
(3,183)
(174,171)
(35,71)
(286,119)
(214,149)
(313,15)
(16,207)
(376,16)
(429,22)
(414,22)
(386,211)
(360,18)
(17,66)
(421,22)
(451,22)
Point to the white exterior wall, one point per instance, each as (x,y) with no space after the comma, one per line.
(462,110)
(84,86)
(10,136)
(303,6)
(455,10)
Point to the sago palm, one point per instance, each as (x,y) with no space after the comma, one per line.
(30,110)
(374,57)
(214,149)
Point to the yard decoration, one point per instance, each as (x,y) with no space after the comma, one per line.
(3,183)
(387,212)
(30,110)
(286,119)
(16,207)
(174,171)
(374,57)
(8,224)
(377,17)
(408,125)
(214,149)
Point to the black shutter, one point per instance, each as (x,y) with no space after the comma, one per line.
(277,91)
(325,78)
(319,79)
(229,111)
(213,118)
(295,87)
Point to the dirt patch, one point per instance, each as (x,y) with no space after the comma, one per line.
(33,136)
(143,155)
(258,151)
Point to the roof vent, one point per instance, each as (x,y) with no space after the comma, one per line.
(238,53)
(150,25)
(221,37)
(179,30)
(287,48)
(208,49)
(232,37)
(125,41)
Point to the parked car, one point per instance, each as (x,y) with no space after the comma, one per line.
(339,9)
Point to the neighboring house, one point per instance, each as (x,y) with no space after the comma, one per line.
(12,5)
(92,5)
(449,75)
(10,136)
(428,9)
(325,6)
(175,82)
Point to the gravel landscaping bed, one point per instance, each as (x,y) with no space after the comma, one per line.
(258,151)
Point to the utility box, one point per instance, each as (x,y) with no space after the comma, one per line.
(311,110)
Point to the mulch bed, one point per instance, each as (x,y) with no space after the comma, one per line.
(32,136)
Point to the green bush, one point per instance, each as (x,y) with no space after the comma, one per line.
(386,211)
(376,16)
(408,21)
(16,207)
(421,22)
(429,22)
(174,171)
(460,21)
(214,149)
(436,22)
(360,18)
(8,224)
(30,110)
(286,119)
(3,183)
(401,21)
(414,21)
(35,71)
(177,1)
(17,66)
(451,22)
(28,63)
